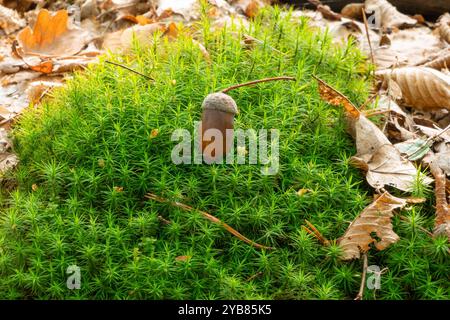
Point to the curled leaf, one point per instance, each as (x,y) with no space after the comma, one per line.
(421,87)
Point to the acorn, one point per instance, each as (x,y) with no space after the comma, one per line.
(219,110)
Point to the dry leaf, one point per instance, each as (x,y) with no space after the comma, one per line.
(140,19)
(373,225)
(188,9)
(171,30)
(414,149)
(334,97)
(8,160)
(388,15)
(44,67)
(387,167)
(408,47)
(442,222)
(444,27)
(421,87)
(353,11)
(10,20)
(440,62)
(329,14)
(252,9)
(375,153)
(51,36)
(123,40)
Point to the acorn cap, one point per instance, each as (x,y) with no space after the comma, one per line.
(221,102)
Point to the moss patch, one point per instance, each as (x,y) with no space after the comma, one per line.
(91,156)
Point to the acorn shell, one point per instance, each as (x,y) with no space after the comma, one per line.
(221,102)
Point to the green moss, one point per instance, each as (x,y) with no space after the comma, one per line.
(95,136)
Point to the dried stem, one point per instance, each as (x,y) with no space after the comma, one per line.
(366,25)
(376,113)
(316,233)
(209,217)
(360,294)
(369,100)
(255,82)
(129,69)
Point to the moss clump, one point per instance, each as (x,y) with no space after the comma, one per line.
(93,154)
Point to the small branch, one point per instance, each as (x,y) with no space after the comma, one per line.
(366,25)
(363,278)
(252,277)
(255,82)
(209,217)
(376,113)
(369,100)
(129,69)
(316,233)
(163,220)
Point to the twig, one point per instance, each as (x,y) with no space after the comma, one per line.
(316,233)
(360,294)
(129,69)
(366,25)
(209,217)
(165,221)
(255,82)
(375,113)
(252,277)
(369,100)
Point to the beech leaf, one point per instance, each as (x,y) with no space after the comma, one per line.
(374,220)
(51,35)
(422,87)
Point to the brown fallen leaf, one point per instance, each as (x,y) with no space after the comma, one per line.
(188,9)
(440,62)
(10,21)
(373,225)
(353,11)
(386,166)
(335,98)
(388,15)
(442,222)
(44,67)
(140,19)
(381,161)
(51,36)
(8,160)
(444,27)
(421,87)
(123,40)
